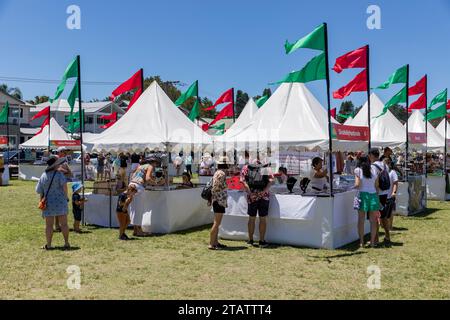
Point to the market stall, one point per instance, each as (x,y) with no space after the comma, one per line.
(154,123)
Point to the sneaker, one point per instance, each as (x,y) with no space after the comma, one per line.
(123,237)
(263,244)
(250,242)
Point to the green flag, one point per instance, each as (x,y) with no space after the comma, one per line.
(191,92)
(400,97)
(195,112)
(261,101)
(4,113)
(74,121)
(220,129)
(71,72)
(346,116)
(439,112)
(314,40)
(73,95)
(314,70)
(441,97)
(398,76)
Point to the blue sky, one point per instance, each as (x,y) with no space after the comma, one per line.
(223,44)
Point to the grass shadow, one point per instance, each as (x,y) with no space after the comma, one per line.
(61,248)
(236,248)
(399,229)
(424,214)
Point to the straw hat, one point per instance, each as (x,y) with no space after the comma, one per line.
(224,160)
(53,162)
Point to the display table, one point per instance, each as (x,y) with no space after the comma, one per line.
(156,211)
(436,188)
(33,172)
(5,176)
(204,179)
(402,201)
(318,222)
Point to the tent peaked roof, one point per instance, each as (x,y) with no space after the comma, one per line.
(153,122)
(386,130)
(292,116)
(441,129)
(41,140)
(245,118)
(416,124)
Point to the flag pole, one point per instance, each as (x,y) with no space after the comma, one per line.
(234,109)
(49,120)
(426,128)
(7,134)
(80,110)
(142,80)
(368,97)
(407,124)
(330,126)
(445,142)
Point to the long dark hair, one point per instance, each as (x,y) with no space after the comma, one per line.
(366,167)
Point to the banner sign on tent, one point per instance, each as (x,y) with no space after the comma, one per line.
(351,133)
(417,137)
(3,141)
(65,143)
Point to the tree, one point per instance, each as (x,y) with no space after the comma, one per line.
(14,92)
(347,108)
(399,112)
(241,100)
(266,92)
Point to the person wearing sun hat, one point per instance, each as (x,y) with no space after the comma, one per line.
(52,187)
(219,196)
(77,205)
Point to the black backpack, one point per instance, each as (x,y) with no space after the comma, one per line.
(383,178)
(257,177)
(207,191)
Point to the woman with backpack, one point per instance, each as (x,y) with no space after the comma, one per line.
(219,197)
(366,182)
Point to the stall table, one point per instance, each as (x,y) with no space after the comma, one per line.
(33,172)
(294,219)
(436,188)
(157,211)
(5,176)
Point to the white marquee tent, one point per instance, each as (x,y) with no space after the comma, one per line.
(441,129)
(385,131)
(416,124)
(292,117)
(245,118)
(154,122)
(41,140)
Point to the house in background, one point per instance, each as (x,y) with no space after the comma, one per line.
(19,116)
(60,110)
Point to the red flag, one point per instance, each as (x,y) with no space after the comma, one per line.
(135,82)
(358,84)
(419,87)
(205,127)
(113,119)
(45,123)
(227,96)
(420,103)
(333,113)
(448,104)
(353,59)
(44,112)
(228,111)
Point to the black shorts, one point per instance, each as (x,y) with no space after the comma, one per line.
(260,208)
(383,211)
(77,215)
(217,208)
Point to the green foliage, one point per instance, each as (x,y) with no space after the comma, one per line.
(399,112)
(14,92)
(241,100)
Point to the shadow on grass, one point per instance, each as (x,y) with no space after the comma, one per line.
(237,248)
(425,214)
(399,229)
(64,249)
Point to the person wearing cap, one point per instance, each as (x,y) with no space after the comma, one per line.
(218,201)
(52,186)
(145,175)
(77,205)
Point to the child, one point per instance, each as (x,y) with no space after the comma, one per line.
(77,206)
(187,181)
(123,202)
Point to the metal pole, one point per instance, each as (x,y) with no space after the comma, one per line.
(7,135)
(426,129)
(234,107)
(80,109)
(407,125)
(330,125)
(368,97)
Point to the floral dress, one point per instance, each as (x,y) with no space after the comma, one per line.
(56,198)
(219,189)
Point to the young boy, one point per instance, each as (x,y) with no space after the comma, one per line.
(77,206)
(123,202)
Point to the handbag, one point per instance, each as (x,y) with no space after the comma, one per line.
(207,191)
(43,202)
(357,202)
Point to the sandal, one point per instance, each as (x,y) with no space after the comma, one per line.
(46,247)
(213,248)
(66,247)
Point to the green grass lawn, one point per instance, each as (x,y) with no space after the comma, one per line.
(179,266)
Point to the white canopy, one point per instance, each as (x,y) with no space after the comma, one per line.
(245,118)
(41,140)
(385,131)
(152,123)
(292,117)
(441,129)
(416,124)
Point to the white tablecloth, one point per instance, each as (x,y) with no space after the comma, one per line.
(156,211)
(34,172)
(318,222)
(436,188)
(5,176)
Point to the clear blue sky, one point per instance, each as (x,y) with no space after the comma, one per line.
(221,43)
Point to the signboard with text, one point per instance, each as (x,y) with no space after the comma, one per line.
(65,143)
(351,133)
(417,137)
(3,141)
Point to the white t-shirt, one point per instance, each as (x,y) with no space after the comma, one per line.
(393,176)
(383,167)
(317,183)
(367,185)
